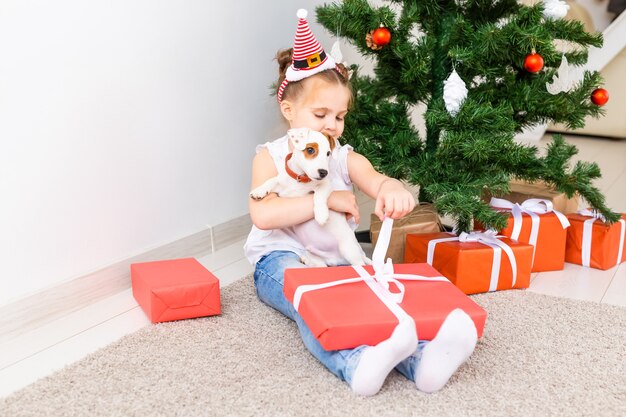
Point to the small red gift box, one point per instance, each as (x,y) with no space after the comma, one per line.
(476,263)
(537,223)
(346,315)
(593,243)
(175,289)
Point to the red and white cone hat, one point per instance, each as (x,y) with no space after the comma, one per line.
(308,57)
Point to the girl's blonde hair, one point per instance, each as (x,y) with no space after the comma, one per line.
(295,88)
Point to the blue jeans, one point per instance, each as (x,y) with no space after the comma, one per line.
(268,279)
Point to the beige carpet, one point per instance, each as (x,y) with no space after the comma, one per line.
(540,356)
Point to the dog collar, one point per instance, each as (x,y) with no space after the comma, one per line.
(300,178)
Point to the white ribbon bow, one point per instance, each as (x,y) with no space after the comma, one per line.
(486,238)
(380,282)
(592,213)
(588,231)
(533,207)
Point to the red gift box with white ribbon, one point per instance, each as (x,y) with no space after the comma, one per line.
(349,306)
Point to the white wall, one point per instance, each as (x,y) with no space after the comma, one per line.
(128,124)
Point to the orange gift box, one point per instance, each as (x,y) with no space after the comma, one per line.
(550,247)
(550,230)
(606,243)
(470,265)
(175,289)
(349,315)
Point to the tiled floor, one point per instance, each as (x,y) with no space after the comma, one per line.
(38,353)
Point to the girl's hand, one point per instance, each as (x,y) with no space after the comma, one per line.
(344,202)
(393,200)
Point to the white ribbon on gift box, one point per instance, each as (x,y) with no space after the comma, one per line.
(533,207)
(380,282)
(488,238)
(588,230)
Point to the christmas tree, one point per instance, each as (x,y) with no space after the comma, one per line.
(485,70)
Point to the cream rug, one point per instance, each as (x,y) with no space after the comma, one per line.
(539,356)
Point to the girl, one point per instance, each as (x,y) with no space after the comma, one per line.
(314,92)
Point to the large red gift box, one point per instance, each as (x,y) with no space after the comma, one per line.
(473,266)
(175,289)
(600,247)
(535,222)
(349,315)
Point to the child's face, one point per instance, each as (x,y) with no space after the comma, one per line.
(321,106)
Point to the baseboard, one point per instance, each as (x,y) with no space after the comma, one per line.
(50,304)
(229,232)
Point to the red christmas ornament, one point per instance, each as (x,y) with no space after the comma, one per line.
(381,36)
(533,62)
(599,96)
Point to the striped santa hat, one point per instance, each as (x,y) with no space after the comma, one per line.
(308,56)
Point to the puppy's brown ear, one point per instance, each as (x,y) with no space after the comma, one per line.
(331,140)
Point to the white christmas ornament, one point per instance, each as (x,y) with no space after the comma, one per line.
(565,78)
(555,9)
(335,52)
(454,93)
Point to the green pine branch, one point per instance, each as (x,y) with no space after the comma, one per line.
(464,156)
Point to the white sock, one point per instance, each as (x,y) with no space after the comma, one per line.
(454,343)
(377,361)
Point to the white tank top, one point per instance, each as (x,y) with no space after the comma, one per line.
(308,235)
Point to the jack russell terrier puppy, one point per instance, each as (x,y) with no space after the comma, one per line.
(306,171)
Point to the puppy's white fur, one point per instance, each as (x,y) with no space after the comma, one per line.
(311,156)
